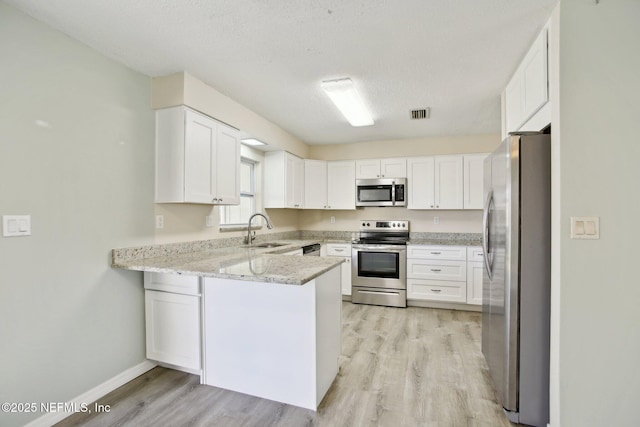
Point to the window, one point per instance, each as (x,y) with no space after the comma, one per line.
(239,215)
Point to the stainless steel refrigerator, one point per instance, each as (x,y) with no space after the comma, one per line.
(517,275)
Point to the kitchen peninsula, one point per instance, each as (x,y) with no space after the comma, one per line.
(270,322)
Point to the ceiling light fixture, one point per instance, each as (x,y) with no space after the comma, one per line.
(253,142)
(344,95)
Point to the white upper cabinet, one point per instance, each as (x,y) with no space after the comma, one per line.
(435,182)
(197,159)
(473,181)
(341,184)
(420,183)
(283,180)
(527,91)
(381,168)
(315,184)
(449,182)
(329,185)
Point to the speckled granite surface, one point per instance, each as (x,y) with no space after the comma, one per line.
(238,262)
(446,239)
(228,258)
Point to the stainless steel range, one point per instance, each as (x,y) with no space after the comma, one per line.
(379,263)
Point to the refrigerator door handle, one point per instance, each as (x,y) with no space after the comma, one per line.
(486,217)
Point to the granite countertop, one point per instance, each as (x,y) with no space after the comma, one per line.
(236,262)
(445,242)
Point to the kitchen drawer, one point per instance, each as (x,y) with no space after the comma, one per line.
(474,253)
(436,290)
(437,270)
(173,283)
(339,249)
(450,253)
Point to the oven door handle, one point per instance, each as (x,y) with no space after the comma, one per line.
(382,248)
(378,292)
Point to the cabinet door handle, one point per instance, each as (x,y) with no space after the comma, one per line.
(215,200)
(431,205)
(219,200)
(436,290)
(436,270)
(338,250)
(436,253)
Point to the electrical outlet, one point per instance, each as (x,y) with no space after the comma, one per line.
(333,220)
(159,221)
(436,220)
(208,220)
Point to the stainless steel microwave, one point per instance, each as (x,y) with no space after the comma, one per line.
(381,192)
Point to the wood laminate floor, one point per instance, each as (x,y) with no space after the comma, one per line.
(399,367)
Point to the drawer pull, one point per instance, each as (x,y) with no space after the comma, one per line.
(436,270)
(436,290)
(338,250)
(436,253)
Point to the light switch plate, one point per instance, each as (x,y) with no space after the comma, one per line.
(16,225)
(585,227)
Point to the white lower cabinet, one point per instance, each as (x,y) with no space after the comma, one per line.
(342,250)
(474,275)
(172,317)
(437,273)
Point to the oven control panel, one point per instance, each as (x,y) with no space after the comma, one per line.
(375,225)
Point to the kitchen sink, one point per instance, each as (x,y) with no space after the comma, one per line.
(266,245)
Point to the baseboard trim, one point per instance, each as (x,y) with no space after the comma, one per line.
(51,418)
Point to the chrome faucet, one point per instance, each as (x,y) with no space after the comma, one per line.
(250,238)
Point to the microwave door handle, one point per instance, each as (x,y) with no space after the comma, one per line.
(393,192)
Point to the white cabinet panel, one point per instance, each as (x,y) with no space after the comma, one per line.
(527,91)
(381,168)
(341,185)
(283,180)
(329,185)
(450,253)
(174,283)
(197,159)
(339,249)
(226,172)
(315,184)
(437,270)
(435,182)
(448,182)
(435,290)
(474,282)
(173,328)
(421,183)
(367,169)
(474,254)
(473,181)
(342,250)
(393,168)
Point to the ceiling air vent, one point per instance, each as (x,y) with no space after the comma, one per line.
(420,114)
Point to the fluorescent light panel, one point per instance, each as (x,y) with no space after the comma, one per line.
(344,95)
(252,141)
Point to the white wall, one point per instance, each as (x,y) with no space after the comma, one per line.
(599,325)
(68,321)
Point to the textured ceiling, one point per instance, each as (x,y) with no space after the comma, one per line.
(454,56)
